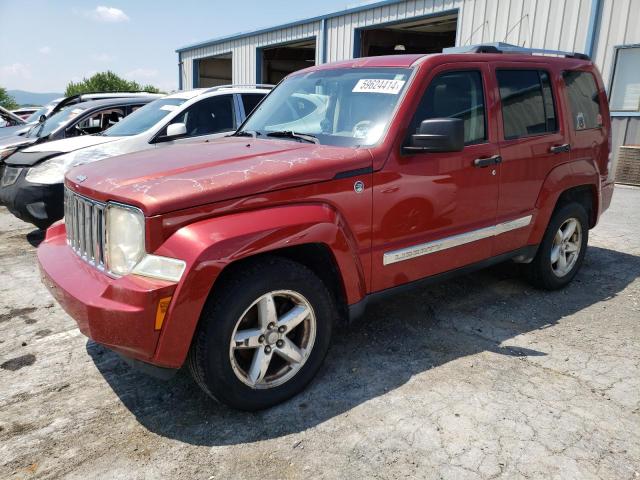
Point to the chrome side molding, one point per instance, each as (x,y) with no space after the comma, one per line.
(408,253)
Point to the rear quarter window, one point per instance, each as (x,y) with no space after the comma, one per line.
(584,101)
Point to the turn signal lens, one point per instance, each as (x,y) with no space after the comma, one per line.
(163,306)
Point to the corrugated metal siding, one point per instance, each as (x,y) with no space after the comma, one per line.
(244,51)
(533,23)
(619,26)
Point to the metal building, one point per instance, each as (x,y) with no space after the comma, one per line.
(606,30)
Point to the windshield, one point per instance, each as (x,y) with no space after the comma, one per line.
(35,116)
(54,122)
(346,107)
(144,118)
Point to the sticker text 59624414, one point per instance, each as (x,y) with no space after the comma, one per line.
(377,85)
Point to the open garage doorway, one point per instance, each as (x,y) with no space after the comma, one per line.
(214,71)
(428,35)
(278,61)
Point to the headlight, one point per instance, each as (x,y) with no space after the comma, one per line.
(6,152)
(125,238)
(50,171)
(10,176)
(125,247)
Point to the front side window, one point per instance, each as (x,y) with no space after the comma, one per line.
(527,103)
(455,95)
(345,107)
(96,122)
(583,100)
(208,116)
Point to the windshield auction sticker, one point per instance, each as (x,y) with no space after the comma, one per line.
(366,85)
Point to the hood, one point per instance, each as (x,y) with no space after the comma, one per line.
(70,144)
(15,141)
(179,177)
(11,131)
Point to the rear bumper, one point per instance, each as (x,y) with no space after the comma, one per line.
(606,194)
(116,312)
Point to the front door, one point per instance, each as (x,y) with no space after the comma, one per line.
(435,212)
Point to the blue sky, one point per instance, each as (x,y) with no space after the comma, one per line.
(46,44)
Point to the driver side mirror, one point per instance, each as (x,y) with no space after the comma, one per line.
(437,135)
(175,130)
(42,118)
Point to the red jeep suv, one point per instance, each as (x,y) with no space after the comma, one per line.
(350,181)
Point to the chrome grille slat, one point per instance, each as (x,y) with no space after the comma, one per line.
(85,222)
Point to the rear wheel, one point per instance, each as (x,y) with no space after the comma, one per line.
(562,250)
(263,335)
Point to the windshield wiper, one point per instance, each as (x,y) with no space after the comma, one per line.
(245,133)
(305,137)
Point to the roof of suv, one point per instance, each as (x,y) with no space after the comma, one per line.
(484,52)
(108,102)
(188,94)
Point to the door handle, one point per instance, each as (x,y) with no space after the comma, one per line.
(565,147)
(485,162)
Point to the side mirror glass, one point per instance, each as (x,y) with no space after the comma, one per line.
(42,118)
(437,135)
(175,130)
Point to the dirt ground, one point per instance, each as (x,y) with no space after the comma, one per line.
(480,377)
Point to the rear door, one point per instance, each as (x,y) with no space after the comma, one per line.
(210,118)
(533,140)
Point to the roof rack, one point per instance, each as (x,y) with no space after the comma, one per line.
(500,47)
(240,85)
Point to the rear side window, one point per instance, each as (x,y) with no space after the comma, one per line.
(455,95)
(583,100)
(250,101)
(527,103)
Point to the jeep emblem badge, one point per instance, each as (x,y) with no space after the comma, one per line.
(358,187)
(81,178)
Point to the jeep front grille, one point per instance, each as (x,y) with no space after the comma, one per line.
(85,223)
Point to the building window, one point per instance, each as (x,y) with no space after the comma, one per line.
(625,91)
(527,103)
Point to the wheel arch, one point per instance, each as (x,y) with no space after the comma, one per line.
(314,235)
(574,181)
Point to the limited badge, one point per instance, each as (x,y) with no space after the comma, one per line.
(358,187)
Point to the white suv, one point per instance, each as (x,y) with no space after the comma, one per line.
(185,117)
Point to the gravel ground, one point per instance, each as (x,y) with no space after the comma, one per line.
(479,377)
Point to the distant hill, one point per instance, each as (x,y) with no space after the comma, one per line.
(32,98)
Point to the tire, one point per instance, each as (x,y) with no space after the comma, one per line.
(543,272)
(238,307)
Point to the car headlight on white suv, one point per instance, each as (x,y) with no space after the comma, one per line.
(50,171)
(125,247)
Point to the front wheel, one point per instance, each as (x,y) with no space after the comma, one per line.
(562,250)
(263,334)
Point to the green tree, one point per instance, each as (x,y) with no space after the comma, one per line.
(107,82)
(7,101)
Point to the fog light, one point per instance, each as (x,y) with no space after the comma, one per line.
(163,306)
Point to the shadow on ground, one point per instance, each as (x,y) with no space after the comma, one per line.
(398,339)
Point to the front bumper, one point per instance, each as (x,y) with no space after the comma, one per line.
(40,205)
(119,313)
